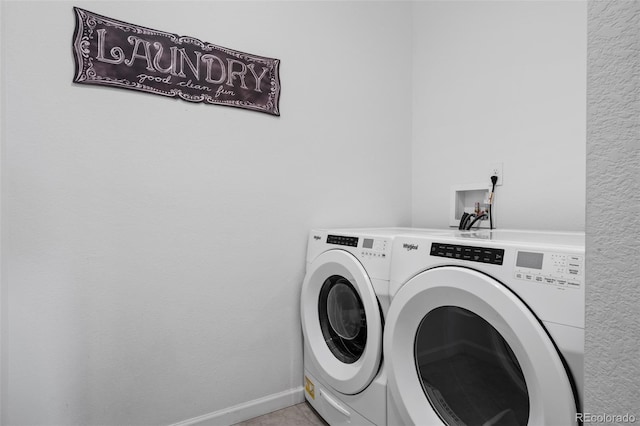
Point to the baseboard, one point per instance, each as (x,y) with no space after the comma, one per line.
(248,410)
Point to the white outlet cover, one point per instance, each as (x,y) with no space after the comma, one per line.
(496,169)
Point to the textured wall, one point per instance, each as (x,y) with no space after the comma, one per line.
(612,369)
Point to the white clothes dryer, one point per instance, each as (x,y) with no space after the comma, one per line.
(486,328)
(345,296)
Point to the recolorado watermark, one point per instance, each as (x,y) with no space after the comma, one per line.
(605,418)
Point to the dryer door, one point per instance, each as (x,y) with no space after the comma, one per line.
(462,349)
(341,321)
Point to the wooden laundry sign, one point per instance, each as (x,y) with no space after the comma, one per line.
(113,53)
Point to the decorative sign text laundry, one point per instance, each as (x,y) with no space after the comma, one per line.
(115,53)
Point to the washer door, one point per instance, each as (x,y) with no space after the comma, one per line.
(341,321)
(462,349)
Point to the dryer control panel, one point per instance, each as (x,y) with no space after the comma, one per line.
(558,269)
(474,254)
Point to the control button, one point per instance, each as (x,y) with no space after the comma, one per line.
(539,279)
(549,280)
(344,241)
(559,260)
(469,253)
(573,284)
(519,275)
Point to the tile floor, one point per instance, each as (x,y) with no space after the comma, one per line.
(296,415)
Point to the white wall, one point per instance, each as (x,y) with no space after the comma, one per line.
(612,364)
(153,249)
(146,241)
(501,81)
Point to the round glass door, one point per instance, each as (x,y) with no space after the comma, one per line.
(342,319)
(341,322)
(467,370)
(462,348)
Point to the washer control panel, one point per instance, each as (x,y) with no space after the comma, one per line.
(374,247)
(342,240)
(370,248)
(558,269)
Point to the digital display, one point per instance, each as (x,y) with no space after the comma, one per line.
(367,243)
(529,260)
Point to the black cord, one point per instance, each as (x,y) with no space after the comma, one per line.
(463,220)
(494,180)
(467,220)
(480,217)
(490,218)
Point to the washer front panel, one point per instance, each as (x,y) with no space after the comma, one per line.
(350,375)
(551,398)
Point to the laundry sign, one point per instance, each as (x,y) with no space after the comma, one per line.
(114,53)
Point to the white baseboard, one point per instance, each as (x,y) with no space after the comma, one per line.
(248,410)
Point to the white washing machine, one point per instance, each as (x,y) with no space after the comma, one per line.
(345,296)
(486,328)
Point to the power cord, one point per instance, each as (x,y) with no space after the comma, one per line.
(494,180)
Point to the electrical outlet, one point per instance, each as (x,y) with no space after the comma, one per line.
(495,169)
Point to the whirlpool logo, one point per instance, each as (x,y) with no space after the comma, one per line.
(410,247)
